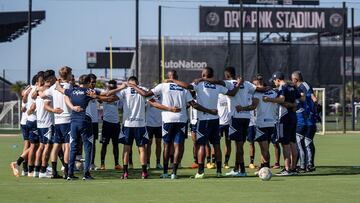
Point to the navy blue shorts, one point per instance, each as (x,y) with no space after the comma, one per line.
(208,131)
(33,132)
(238,129)
(275,137)
(81,129)
(311,130)
(286,132)
(25,132)
(264,134)
(251,134)
(193,127)
(224,131)
(174,132)
(154,132)
(46,135)
(129,134)
(95,130)
(110,131)
(301,130)
(62,133)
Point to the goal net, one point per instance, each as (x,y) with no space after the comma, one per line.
(321,96)
(10,115)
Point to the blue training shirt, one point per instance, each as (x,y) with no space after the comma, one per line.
(310,104)
(302,111)
(78,97)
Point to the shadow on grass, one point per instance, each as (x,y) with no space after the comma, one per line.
(186,173)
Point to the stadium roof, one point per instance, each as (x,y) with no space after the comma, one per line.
(14,24)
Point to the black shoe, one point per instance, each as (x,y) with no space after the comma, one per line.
(56,176)
(88,177)
(72,177)
(301,170)
(310,169)
(65,175)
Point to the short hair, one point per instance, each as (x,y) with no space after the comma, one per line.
(40,74)
(92,76)
(133,78)
(210,71)
(258,77)
(230,70)
(50,72)
(34,79)
(64,72)
(84,79)
(112,83)
(298,75)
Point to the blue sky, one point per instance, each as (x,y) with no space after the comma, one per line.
(73,27)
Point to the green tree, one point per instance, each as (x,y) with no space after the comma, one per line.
(349,91)
(17,87)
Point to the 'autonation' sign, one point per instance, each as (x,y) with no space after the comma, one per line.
(227,19)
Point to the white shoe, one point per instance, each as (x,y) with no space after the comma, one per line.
(93,167)
(62,168)
(231,173)
(173,177)
(49,169)
(45,175)
(35,174)
(159,166)
(239,174)
(23,173)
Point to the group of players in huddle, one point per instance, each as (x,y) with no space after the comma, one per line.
(60,120)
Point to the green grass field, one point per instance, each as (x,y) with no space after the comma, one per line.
(335,180)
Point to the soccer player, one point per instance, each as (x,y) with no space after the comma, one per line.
(309,104)
(61,120)
(287,97)
(110,129)
(208,124)
(174,123)
(266,117)
(92,111)
(251,137)
(78,98)
(153,127)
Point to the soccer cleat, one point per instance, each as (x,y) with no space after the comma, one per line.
(144,175)
(301,170)
(226,166)
(36,174)
(88,177)
(31,174)
(199,176)
(125,176)
(62,168)
(24,173)
(310,169)
(49,169)
(15,169)
(93,167)
(252,166)
(164,176)
(117,167)
(194,165)
(44,175)
(210,166)
(218,175)
(102,167)
(239,174)
(131,166)
(57,176)
(276,166)
(159,166)
(72,177)
(173,176)
(284,172)
(231,173)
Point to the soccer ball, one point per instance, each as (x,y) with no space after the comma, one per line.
(265,174)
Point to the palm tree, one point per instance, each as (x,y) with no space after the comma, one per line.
(18,87)
(349,91)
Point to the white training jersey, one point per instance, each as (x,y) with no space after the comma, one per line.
(230,84)
(30,101)
(223,110)
(241,98)
(92,111)
(23,115)
(173,95)
(111,112)
(266,112)
(153,115)
(133,107)
(193,116)
(44,118)
(207,96)
(58,101)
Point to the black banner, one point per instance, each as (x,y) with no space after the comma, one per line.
(102,60)
(309,20)
(277,2)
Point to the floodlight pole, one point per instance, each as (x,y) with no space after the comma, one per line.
(137,38)
(257,41)
(159,44)
(241,39)
(353,69)
(29,43)
(344,67)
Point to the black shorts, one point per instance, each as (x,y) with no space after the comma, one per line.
(208,131)
(238,129)
(110,131)
(224,131)
(264,134)
(95,130)
(287,132)
(154,132)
